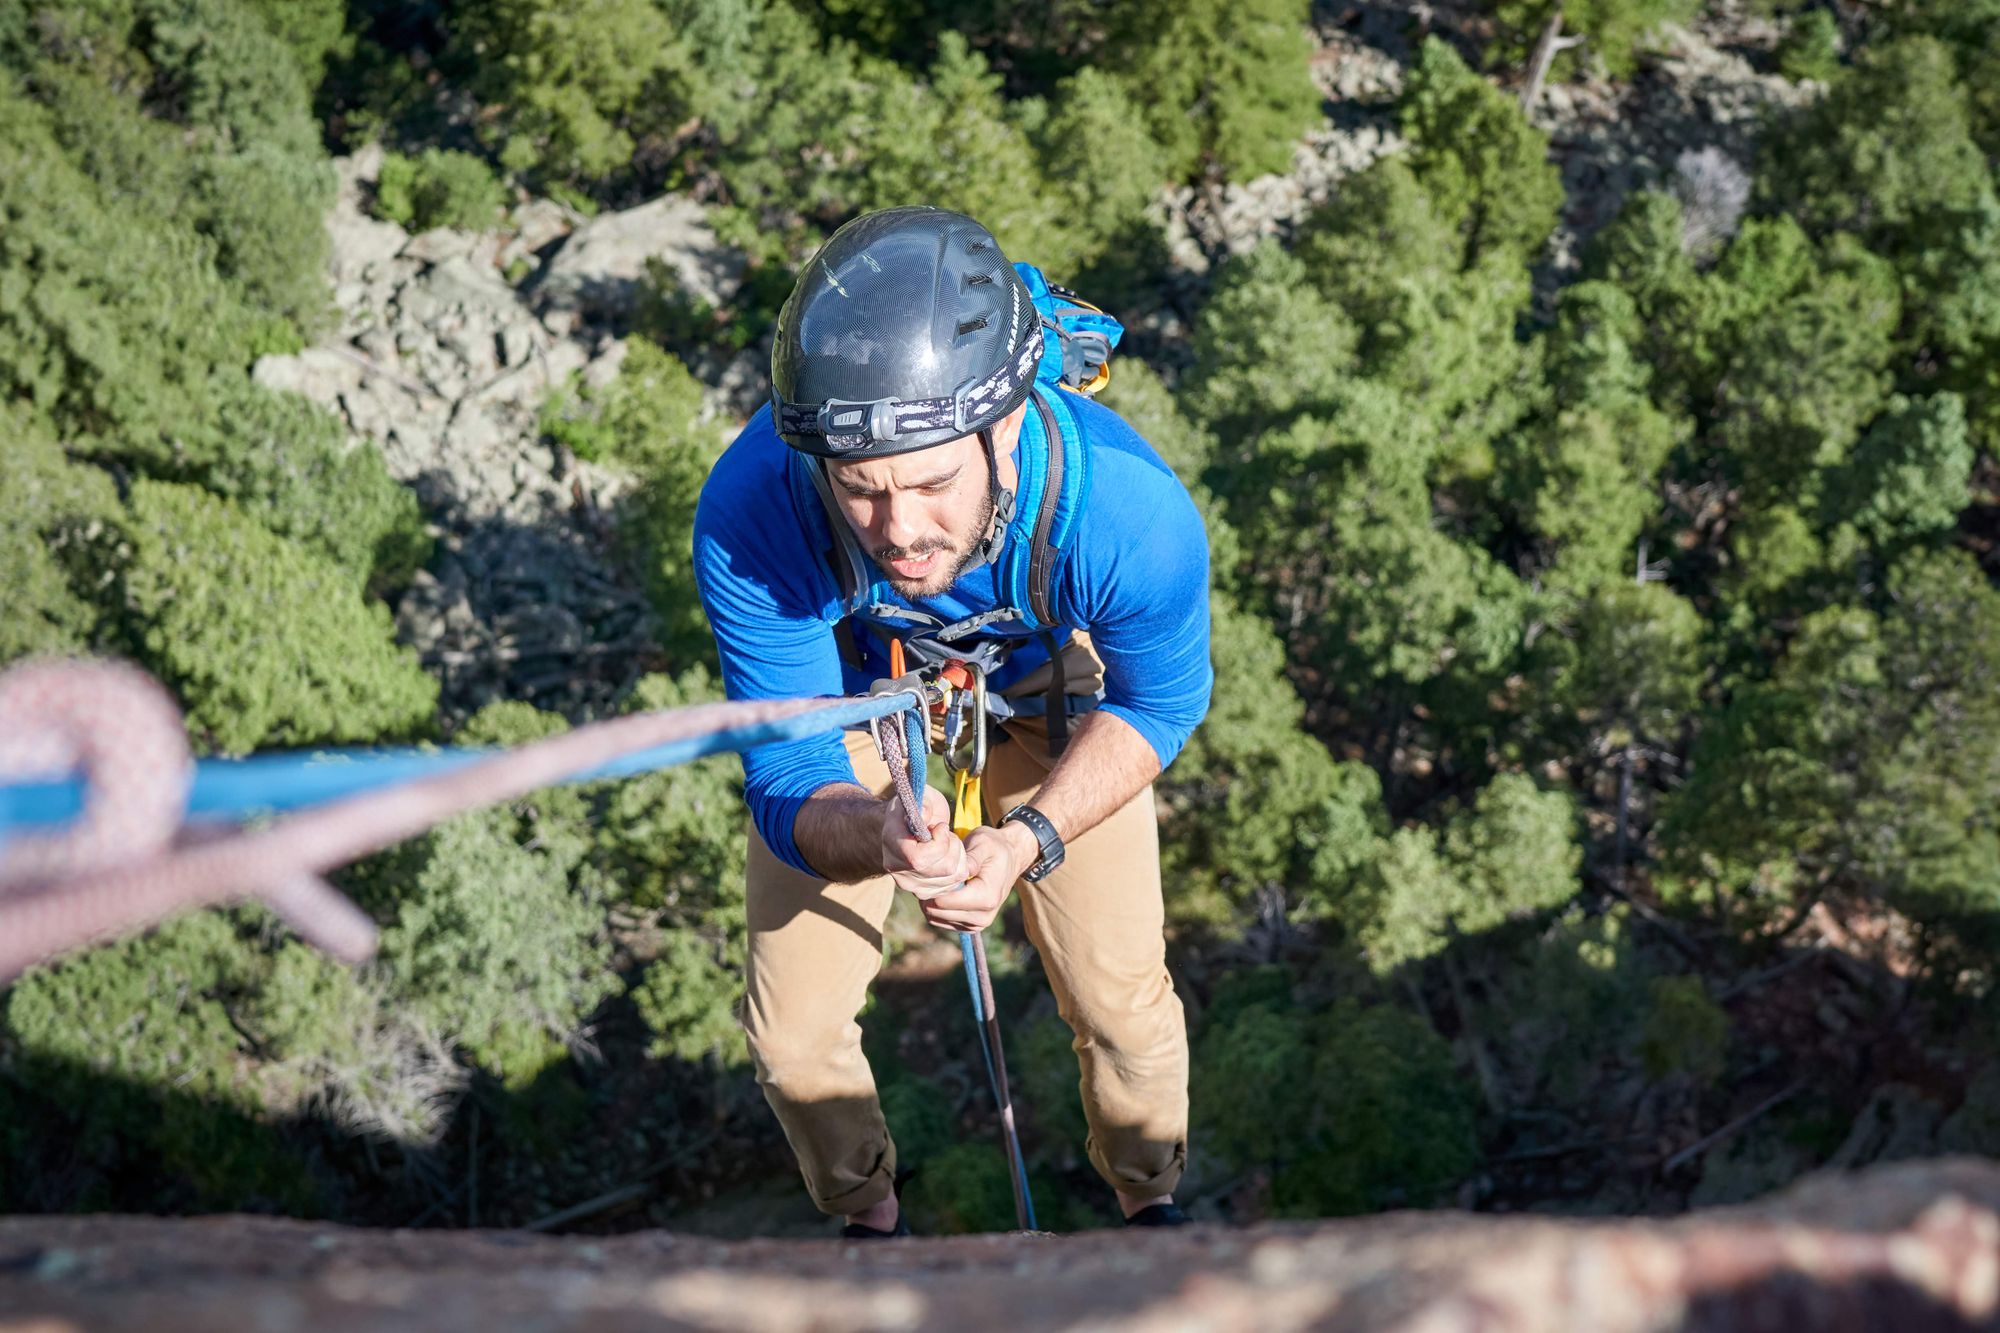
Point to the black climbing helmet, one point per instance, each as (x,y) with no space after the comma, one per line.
(908,328)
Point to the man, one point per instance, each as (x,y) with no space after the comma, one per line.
(905,413)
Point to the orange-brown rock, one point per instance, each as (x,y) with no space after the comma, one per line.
(1910,1247)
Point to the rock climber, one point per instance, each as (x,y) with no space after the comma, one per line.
(910,404)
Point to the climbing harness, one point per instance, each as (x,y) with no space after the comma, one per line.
(960,697)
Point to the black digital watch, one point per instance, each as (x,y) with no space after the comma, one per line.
(1045,834)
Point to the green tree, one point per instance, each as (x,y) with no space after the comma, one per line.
(1347,1110)
(1889,146)
(687,1000)
(579,83)
(1142,398)
(1268,346)
(1433,326)
(1582,473)
(47,512)
(1514,852)
(952,141)
(1807,375)
(1614,31)
(673,842)
(1909,476)
(1222,85)
(1255,810)
(1811,47)
(1474,152)
(1856,768)
(175,1098)
(1103,166)
(1335,518)
(264,641)
(232,154)
(1627,668)
(438,188)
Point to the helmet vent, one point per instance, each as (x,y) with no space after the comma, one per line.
(973,325)
(979,280)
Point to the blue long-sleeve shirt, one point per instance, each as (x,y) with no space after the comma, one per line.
(1133,575)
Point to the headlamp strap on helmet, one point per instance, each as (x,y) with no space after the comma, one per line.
(852,427)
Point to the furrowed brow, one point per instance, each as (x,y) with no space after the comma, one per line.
(922,484)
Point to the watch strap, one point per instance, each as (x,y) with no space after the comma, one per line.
(1045,834)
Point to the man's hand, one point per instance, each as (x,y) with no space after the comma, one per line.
(925,869)
(997,859)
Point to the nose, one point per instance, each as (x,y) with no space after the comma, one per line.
(899,522)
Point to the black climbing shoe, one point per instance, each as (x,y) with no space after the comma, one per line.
(1158,1215)
(861,1231)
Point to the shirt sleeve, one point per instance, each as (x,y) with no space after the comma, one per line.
(756,583)
(1140,575)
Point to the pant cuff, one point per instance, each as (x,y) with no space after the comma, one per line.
(879,1186)
(1160,1182)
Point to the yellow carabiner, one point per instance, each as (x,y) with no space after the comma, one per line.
(968,812)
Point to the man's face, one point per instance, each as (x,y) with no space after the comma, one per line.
(919,515)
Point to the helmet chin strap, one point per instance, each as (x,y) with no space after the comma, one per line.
(988,548)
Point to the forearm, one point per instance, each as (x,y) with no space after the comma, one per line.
(839,832)
(1106,764)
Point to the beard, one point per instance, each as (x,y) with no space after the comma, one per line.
(955,557)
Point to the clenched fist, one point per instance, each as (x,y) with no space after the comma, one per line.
(996,858)
(925,869)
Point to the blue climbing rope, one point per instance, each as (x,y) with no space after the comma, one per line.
(235,789)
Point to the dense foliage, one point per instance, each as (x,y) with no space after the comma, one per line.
(1588,637)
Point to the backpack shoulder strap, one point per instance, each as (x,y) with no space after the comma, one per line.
(1053,483)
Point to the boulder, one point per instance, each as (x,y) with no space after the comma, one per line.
(597,274)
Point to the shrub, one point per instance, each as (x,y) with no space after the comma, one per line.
(438,188)
(492,947)
(1811,48)
(1348,1110)
(687,1000)
(174,1100)
(265,642)
(48,512)
(1686,1032)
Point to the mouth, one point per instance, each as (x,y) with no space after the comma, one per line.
(915,567)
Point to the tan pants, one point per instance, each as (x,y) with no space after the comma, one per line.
(1099,924)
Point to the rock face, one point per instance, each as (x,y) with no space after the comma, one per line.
(445,366)
(1906,1248)
(1696,92)
(595,276)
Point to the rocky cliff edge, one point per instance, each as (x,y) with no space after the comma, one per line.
(1909,1247)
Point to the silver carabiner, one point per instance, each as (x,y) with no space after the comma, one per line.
(978,768)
